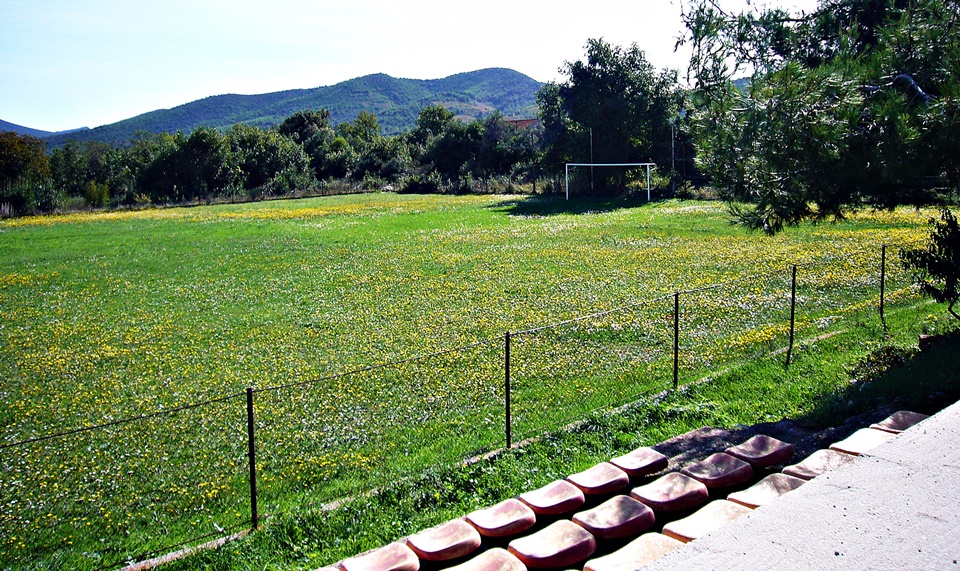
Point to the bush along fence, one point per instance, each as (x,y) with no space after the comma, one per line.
(101,496)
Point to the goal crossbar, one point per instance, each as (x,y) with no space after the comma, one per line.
(568,165)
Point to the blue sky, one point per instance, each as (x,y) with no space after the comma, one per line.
(75,63)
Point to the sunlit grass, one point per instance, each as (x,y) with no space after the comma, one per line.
(106,316)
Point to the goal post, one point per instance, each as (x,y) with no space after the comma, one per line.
(568,165)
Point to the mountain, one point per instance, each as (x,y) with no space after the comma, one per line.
(395,102)
(21,130)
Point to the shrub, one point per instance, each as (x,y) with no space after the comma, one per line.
(881,360)
(937,268)
(96,194)
(429,183)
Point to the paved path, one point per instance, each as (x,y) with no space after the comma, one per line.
(896,508)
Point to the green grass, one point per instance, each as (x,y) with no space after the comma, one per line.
(109,316)
(816,391)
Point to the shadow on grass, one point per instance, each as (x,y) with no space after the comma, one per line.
(926,382)
(555,204)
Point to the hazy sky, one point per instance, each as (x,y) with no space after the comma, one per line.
(73,63)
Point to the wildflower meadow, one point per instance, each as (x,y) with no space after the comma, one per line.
(371,329)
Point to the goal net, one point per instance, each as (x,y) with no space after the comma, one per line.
(568,165)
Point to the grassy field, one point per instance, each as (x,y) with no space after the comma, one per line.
(110,316)
(816,392)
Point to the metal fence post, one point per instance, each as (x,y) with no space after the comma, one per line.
(252,455)
(676,339)
(883,279)
(793,313)
(506,382)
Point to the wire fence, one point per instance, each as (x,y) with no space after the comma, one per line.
(321,441)
(102,496)
(123,490)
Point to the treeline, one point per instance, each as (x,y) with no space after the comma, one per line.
(304,154)
(613,108)
(854,105)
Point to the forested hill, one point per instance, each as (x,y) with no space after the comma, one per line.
(21,130)
(395,102)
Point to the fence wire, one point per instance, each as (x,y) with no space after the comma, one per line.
(353,432)
(563,371)
(99,498)
(846,282)
(567,370)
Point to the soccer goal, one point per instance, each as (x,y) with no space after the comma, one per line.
(567,173)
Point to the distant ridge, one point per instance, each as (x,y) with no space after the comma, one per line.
(21,130)
(395,102)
